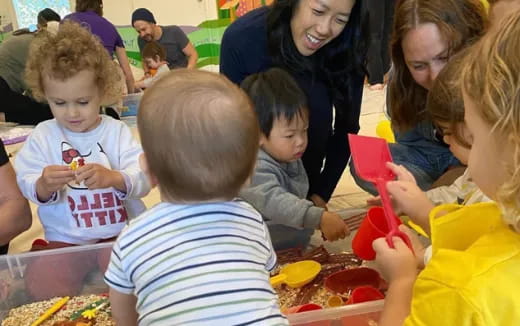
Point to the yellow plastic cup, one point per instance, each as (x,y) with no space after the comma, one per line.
(297,274)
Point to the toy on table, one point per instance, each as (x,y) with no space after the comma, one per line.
(370,155)
(51,311)
(91,313)
(100,303)
(297,274)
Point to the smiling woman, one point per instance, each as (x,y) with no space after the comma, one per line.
(426,33)
(319,42)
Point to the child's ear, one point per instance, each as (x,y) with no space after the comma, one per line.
(143,163)
(157,58)
(263,139)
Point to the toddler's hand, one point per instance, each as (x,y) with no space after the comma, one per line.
(401,172)
(333,226)
(96,176)
(318,201)
(53,178)
(395,263)
(409,199)
(418,247)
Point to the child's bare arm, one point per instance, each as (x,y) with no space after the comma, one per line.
(123,308)
(399,268)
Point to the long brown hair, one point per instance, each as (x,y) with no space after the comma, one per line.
(85,5)
(460,22)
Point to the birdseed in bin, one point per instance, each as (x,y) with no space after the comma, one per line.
(131,104)
(32,282)
(361,314)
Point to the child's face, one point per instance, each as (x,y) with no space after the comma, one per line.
(153,63)
(75,101)
(489,155)
(459,151)
(287,141)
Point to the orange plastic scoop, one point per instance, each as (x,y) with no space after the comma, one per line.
(297,274)
(370,155)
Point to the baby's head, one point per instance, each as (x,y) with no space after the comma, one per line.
(491,90)
(446,108)
(153,54)
(200,137)
(74,74)
(282,111)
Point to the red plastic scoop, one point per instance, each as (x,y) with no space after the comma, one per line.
(370,155)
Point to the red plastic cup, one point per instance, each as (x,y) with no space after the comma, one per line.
(303,308)
(374,226)
(365,294)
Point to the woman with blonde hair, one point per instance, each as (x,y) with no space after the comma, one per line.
(426,33)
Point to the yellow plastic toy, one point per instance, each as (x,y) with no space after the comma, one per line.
(297,274)
(384,130)
(91,313)
(55,307)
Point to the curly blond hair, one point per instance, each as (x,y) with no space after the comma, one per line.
(491,78)
(71,50)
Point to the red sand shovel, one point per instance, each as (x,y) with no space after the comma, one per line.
(370,155)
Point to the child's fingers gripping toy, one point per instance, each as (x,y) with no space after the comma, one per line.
(370,155)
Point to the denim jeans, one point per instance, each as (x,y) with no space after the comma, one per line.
(286,237)
(421,152)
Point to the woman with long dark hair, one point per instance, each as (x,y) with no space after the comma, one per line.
(319,43)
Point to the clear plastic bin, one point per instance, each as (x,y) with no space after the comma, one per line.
(13,287)
(361,314)
(131,101)
(13,291)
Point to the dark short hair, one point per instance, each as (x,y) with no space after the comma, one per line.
(200,136)
(85,5)
(274,94)
(47,15)
(152,49)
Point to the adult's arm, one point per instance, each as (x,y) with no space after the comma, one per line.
(15,214)
(190,52)
(122,58)
(338,150)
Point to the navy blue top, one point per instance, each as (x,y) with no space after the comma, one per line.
(244,51)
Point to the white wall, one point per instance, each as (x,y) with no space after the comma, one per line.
(166,12)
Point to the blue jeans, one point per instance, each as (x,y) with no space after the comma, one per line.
(421,153)
(286,237)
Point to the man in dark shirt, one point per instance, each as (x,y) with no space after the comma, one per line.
(180,52)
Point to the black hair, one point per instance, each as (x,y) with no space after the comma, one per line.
(334,64)
(47,15)
(274,93)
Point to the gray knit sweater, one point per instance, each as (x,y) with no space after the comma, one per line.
(278,191)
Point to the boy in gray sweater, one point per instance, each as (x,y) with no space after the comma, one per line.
(279,185)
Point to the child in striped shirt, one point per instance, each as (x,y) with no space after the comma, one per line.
(199,257)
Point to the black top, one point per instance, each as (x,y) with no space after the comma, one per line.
(244,51)
(3,154)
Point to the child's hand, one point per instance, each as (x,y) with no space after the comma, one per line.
(401,172)
(397,263)
(318,201)
(409,199)
(333,226)
(96,176)
(53,178)
(418,247)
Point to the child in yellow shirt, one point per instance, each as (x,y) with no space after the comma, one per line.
(472,278)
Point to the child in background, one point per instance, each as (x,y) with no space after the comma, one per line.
(199,257)
(472,278)
(446,108)
(279,185)
(81,168)
(154,56)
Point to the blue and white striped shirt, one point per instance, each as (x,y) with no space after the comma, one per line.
(203,264)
